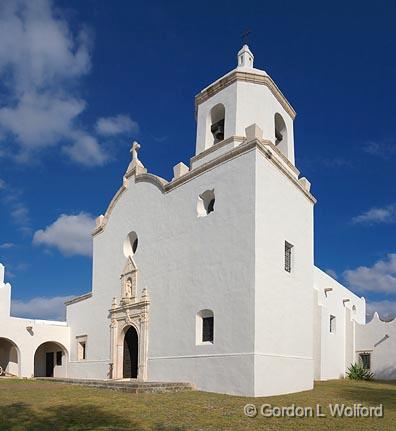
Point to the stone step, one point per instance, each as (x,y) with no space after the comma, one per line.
(132,386)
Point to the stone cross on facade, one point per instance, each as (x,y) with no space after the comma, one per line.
(134,151)
(135,162)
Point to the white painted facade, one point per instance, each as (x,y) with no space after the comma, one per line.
(229,238)
(24,342)
(378,339)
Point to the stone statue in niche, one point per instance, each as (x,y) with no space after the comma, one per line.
(129,281)
(128,288)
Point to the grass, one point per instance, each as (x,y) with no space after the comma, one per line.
(37,405)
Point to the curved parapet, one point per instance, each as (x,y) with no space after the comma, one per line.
(156,181)
(376,318)
(144,177)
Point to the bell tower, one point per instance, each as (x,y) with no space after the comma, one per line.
(243,97)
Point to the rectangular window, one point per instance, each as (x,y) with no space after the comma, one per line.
(82,348)
(207,329)
(288,256)
(58,358)
(332,323)
(365,359)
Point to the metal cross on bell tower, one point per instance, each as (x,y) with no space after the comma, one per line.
(245,37)
(245,56)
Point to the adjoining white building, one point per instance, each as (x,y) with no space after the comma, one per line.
(209,278)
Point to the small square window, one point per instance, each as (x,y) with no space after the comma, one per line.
(332,323)
(365,360)
(288,256)
(207,329)
(59,358)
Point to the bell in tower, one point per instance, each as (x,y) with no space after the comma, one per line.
(217,119)
(217,130)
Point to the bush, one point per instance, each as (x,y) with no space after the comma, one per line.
(358,372)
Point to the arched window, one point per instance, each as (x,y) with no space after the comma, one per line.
(280,134)
(205,327)
(217,122)
(206,203)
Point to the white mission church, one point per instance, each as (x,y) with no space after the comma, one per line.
(209,278)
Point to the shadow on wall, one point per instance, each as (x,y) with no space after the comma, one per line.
(385,373)
(20,416)
(9,355)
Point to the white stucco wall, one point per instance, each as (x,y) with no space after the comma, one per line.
(26,340)
(334,349)
(187,263)
(283,300)
(379,339)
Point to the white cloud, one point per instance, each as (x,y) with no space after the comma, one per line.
(40,308)
(385,309)
(38,47)
(70,234)
(20,214)
(386,214)
(7,245)
(41,64)
(2,184)
(40,120)
(381,277)
(86,150)
(383,149)
(116,125)
(12,200)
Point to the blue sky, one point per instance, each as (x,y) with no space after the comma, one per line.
(80,80)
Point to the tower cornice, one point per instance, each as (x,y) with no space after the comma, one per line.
(254,76)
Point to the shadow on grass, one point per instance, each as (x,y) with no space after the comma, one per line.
(373,394)
(20,416)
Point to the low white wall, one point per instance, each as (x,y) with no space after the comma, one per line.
(334,351)
(379,339)
(27,335)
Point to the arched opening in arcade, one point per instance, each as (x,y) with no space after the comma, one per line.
(9,358)
(50,360)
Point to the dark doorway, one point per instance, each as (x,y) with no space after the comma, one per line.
(49,364)
(130,368)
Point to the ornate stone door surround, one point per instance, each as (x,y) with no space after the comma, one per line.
(129,311)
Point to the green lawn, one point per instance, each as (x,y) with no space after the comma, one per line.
(39,405)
